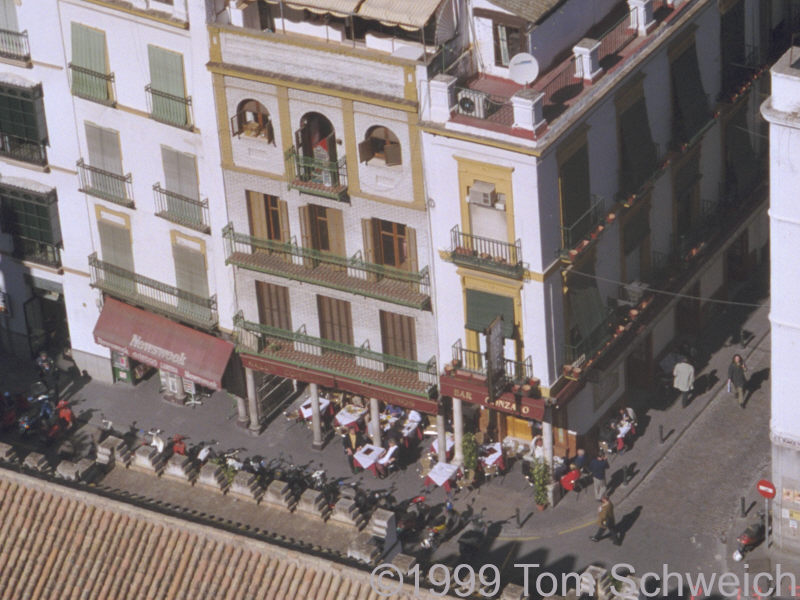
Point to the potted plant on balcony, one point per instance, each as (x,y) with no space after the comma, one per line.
(540,477)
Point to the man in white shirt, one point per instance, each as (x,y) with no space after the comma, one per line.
(683,379)
(388,457)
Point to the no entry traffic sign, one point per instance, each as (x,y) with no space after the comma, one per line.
(766,488)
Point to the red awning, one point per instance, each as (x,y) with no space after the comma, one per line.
(475,391)
(156,341)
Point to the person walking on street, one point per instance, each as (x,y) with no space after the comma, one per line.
(737,378)
(598,468)
(605,520)
(683,379)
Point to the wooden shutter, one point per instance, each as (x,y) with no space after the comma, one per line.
(335,320)
(180,173)
(190,270)
(283,207)
(273,305)
(330,143)
(104,151)
(336,236)
(8,15)
(365,150)
(257,215)
(305,231)
(392,154)
(398,335)
(115,245)
(369,242)
(411,250)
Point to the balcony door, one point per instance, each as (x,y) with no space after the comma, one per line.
(106,159)
(115,247)
(322,229)
(8,15)
(398,335)
(316,144)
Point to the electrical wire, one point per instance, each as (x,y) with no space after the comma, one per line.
(674,294)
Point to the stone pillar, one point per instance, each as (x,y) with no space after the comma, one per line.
(547,437)
(458,431)
(443,89)
(441,435)
(252,401)
(527,105)
(375,419)
(642,16)
(241,408)
(316,420)
(587,59)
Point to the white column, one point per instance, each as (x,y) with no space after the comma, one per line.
(527,105)
(241,408)
(441,435)
(642,16)
(316,421)
(375,419)
(547,439)
(587,59)
(252,401)
(458,431)
(442,94)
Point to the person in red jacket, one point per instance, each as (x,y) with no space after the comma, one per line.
(569,481)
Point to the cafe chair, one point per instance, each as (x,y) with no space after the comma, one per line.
(425,465)
(491,471)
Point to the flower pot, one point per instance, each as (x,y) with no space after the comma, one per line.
(573,253)
(541,506)
(610,217)
(576,372)
(633,313)
(593,235)
(567,369)
(600,228)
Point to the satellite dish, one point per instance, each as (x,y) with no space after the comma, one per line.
(523,68)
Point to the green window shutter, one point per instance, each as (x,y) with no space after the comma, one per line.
(89,53)
(180,177)
(689,101)
(190,271)
(30,215)
(638,151)
(104,154)
(115,245)
(22,113)
(483,307)
(8,16)
(575,194)
(166,76)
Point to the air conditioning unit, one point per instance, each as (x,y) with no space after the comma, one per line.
(471,104)
(633,291)
(481,192)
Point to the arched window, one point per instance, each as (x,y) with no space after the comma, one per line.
(252,119)
(381,143)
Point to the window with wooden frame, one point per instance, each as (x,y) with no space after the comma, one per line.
(322,229)
(689,101)
(398,335)
(508,41)
(686,196)
(335,320)
(252,120)
(268,217)
(391,244)
(380,143)
(274,309)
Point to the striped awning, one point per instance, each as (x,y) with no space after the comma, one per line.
(408,14)
(339,8)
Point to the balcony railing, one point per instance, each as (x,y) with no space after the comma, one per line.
(622,33)
(153,295)
(591,343)
(169,109)
(297,347)
(106,185)
(14,45)
(486,254)
(92,85)
(475,362)
(317,177)
(573,233)
(37,252)
(181,209)
(481,105)
(21,149)
(353,274)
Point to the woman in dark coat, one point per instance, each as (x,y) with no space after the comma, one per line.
(737,377)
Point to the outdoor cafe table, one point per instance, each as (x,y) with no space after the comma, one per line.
(349,416)
(441,474)
(491,455)
(367,457)
(449,445)
(305,407)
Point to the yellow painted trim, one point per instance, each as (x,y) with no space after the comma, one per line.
(214,48)
(100,211)
(225,143)
(285,118)
(487,282)
(541,277)
(175,236)
(469,171)
(140,13)
(310,43)
(417,168)
(373,198)
(726,5)
(571,144)
(261,77)
(72,271)
(350,147)
(63,169)
(410,81)
(630,93)
(682,42)
(230,166)
(478,139)
(500,287)
(133,111)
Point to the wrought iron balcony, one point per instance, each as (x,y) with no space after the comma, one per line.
(357,362)
(37,252)
(92,85)
(580,230)
(153,295)
(354,275)
(591,343)
(181,209)
(14,45)
(310,175)
(475,362)
(22,149)
(486,254)
(169,109)
(106,185)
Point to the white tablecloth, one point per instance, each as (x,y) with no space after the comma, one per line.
(493,456)
(367,456)
(442,472)
(305,408)
(450,442)
(349,415)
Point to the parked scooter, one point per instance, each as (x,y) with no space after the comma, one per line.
(411,517)
(751,537)
(442,528)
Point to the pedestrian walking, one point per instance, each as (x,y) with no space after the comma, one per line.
(598,468)
(737,378)
(683,379)
(605,521)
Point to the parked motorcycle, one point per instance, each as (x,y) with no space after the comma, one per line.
(442,528)
(411,517)
(751,537)
(472,541)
